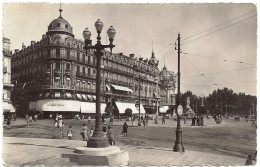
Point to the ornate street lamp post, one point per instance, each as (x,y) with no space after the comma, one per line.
(98,140)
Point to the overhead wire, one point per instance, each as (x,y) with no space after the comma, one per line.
(218,30)
(218,25)
(219,72)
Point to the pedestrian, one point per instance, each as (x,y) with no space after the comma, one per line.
(8,123)
(249,160)
(144,122)
(69,132)
(163,119)
(125,126)
(142,118)
(197,121)
(61,125)
(50,117)
(89,119)
(185,119)
(147,118)
(91,132)
(133,121)
(82,117)
(84,132)
(30,119)
(104,130)
(201,121)
(110,135)
(103,118)
(35,117)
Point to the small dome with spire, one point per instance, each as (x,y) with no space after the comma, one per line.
(153,60)
(60,25)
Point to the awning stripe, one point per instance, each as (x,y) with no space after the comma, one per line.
(122,88)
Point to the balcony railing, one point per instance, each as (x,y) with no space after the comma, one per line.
(68,72)
(81,74)
(57,71)
(48,71)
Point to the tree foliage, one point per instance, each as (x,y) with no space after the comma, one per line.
(221,101)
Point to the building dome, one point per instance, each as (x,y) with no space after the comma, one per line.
(60,25)
(165,74)
(153,60)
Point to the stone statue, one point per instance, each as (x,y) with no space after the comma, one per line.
(188,110)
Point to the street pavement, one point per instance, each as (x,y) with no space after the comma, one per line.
(35,151)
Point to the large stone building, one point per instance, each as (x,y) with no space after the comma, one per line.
(8,108)
(55,74)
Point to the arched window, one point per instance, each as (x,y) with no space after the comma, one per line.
(58,24)
(66,26)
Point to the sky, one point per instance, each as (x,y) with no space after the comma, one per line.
(218,41)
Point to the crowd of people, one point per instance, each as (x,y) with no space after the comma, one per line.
(197,121)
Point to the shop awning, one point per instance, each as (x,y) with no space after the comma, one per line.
(68,95)
(156,95)
(84,97)
(47,94)
(90,107)
(163,109)
(108,87)
(94,97)
(122,106)
(68,79)
(8,107)
(57,94)
(58,105)
(122,88)
(79,96)
(89,97)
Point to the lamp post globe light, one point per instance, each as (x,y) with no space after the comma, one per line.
(98,140)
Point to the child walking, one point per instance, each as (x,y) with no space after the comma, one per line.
(69,132)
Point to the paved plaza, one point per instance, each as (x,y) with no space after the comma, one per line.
(39,148)
(32,151)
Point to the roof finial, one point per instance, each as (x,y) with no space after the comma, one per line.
(60,11)
(152,45)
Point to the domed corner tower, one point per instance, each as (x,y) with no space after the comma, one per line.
(153,61)
(60,28)
(167,87)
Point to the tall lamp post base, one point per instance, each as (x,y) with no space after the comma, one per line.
(178,147)
(97,142)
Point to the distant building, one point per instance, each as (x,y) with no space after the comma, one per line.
(8,108)
(55,74)
(167,90)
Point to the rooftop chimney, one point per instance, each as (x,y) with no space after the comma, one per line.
(33,42)
(132,55)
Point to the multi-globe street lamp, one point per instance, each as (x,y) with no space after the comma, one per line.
(98,140)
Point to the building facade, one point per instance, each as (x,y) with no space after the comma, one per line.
(56,74)
(8,109)
(167,90)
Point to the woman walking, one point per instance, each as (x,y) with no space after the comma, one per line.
(69,132)
(110,135)
(125,126)
(84,132)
